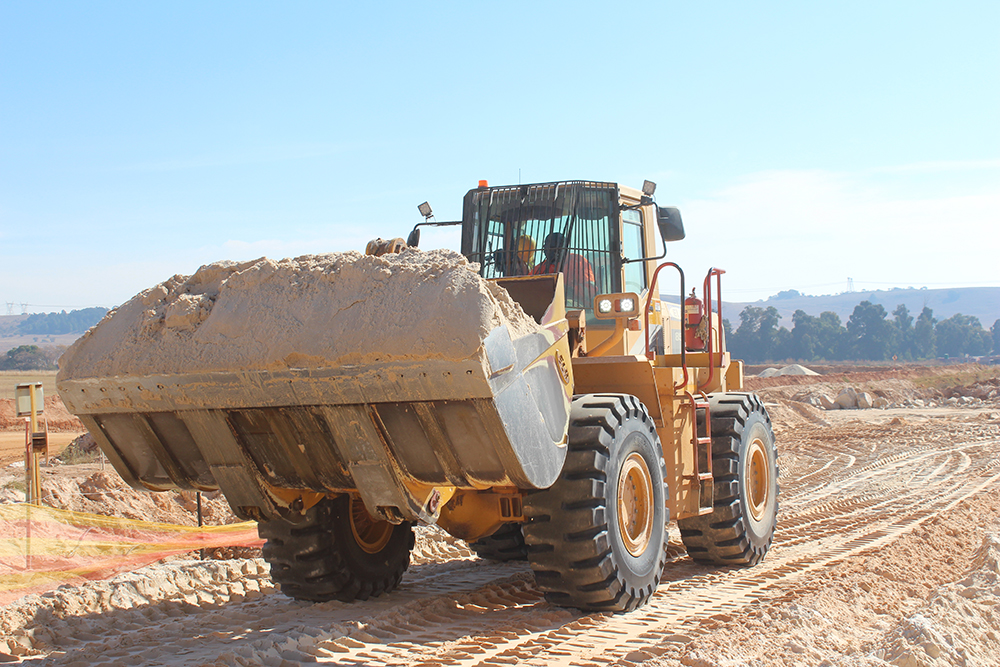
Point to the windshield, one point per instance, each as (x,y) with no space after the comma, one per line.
(547,228)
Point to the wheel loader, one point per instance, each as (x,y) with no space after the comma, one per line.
(571,445)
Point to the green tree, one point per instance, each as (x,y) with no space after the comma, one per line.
(832,336)
(805,336)
(755,339)
(996,337)
(924,340)
(904,331)
(26,358)
(781,344)
(815,338)
(960,335)
(869,333)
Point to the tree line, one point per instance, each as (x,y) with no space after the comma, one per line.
(31,358)
(75,321)
(869,334)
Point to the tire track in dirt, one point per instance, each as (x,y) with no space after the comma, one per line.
(465,611)
(691,592)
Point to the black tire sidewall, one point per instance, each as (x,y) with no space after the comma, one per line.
(759,532)
(634,437)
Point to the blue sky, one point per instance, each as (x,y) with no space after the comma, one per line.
(805,143)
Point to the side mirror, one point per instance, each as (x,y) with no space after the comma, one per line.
(413,240)
(669,220)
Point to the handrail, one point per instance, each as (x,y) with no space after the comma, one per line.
(706,290)
(651,354)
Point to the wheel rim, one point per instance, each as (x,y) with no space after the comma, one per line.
(370,534)
(756,478)
(635,504)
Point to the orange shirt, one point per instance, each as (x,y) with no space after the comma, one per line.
(576,267)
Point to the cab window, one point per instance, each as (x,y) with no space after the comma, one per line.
(633,248)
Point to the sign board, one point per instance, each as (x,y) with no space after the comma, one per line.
(22,396)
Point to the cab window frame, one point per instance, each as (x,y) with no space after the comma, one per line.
(631,221)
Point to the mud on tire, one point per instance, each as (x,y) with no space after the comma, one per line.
(507,543)
(744,461)
(337,553)
(597,537)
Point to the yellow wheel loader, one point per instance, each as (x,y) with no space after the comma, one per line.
(570,443)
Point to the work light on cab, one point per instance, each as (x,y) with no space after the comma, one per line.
(612,306)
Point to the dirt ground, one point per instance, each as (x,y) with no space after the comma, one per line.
(887,552)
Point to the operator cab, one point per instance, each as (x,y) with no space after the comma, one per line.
(570,227)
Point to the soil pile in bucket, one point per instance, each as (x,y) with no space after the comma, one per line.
(309,312)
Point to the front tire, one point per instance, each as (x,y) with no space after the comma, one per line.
(597,538)
(741,527)
(339,552)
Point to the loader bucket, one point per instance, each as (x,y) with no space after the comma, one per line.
(392,431)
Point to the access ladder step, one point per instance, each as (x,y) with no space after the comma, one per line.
(703,460)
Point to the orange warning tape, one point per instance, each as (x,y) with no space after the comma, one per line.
(42,548)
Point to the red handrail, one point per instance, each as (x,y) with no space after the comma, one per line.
(707,291)
(651,354)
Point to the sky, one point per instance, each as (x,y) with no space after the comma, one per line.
(806,144)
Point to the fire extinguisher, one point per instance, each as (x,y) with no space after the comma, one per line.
(694,310)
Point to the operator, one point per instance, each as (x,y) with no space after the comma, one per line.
(526,253)
(580,284)
(518,262)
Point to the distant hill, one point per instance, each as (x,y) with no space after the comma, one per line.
(981,302)
(9,324)
(46,329)
(73,322)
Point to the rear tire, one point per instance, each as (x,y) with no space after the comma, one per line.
(597,538)
(506,544)
(744,460)
(337,553)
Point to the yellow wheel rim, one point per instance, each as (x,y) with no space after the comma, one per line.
(755,476)
(371,534)
(635,504)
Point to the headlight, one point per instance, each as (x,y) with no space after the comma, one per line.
(617,305)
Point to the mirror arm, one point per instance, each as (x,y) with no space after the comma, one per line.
(437,224)
(646,200)
(415,235)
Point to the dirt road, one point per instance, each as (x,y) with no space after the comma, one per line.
(12,444)
(878,515)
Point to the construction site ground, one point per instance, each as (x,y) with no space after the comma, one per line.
(887,552)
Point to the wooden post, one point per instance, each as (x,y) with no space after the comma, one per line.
(200,523)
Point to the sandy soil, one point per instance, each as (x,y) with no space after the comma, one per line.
(314,311)
(887,552)
(12,444)
(63,429)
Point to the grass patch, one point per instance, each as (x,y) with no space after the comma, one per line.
(72,456)
(959,378)
(82,450)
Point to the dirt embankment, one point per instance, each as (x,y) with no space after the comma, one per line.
(56,414)
(844,374)
(63,428)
